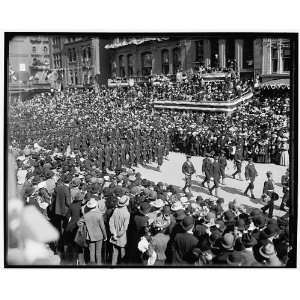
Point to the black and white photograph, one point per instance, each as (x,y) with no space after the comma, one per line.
(151,150)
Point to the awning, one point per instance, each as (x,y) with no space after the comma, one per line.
(277,83)
(117,43)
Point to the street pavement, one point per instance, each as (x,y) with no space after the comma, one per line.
(170,173)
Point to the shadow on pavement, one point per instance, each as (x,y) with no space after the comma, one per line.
(150,167)
(232,190)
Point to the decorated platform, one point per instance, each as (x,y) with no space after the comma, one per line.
(212,106)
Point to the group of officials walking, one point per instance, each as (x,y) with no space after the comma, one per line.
(213,168)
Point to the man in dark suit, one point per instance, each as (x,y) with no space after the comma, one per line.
(250,174)
(206,169)
(238,163)
(223,165)
(184,243)
(61,202)
(188,170)
(216,175)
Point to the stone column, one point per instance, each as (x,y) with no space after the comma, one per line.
(239,54)
(222,56)
(266,62)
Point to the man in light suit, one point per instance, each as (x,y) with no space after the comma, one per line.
(96,230)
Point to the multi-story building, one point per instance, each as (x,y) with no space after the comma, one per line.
(145,56)
(56,61)
(29,59)
(79,61)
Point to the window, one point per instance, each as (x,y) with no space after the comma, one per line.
(45,50)
(214,44)
(176,60)
(248,54)
(71,77)
(200,51)
(146,63)
(76,79)
(230,52)
(165,61)
(275,56)
(33,49)
(70,54)
(122,66)
(130,64)
(74,54)
(286,55)
(84,54)
(89,53)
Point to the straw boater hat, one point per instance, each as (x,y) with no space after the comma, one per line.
(123,201)
(158,203)
(92,203)
(267,250)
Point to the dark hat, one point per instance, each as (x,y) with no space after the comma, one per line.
(180,214)
(269,231)
(67,178)
(187,223)
(248,240)
(274,196)
(28,191)
(235,259)
(36,180)
(48,174)
(200,230)
(188,156)
(229,216)
(255,212)
(166,210)
(259,221)
(240,224)
(145,208)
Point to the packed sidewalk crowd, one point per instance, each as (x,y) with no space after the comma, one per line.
(76,153)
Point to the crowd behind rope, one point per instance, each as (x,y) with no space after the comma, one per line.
(79,175)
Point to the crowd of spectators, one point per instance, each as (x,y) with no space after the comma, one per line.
(76,153)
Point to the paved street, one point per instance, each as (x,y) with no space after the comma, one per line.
(171,173)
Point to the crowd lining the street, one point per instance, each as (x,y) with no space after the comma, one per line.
(76,153)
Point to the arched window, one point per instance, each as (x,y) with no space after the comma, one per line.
(176,60)
(45,50)
(122,65)
(146,63)
(89,53)
(33,49)
(130,64)
(165,61)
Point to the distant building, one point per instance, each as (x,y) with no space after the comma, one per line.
(79,61)
(29,60)
(133,57)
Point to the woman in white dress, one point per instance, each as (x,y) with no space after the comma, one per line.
(284,157)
